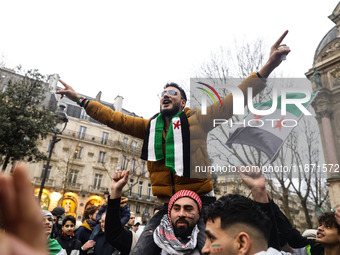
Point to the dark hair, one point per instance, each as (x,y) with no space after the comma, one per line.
(235,208)
(69,218)
(328,218)
(158,207)
(58,211)
(175,85)
(91,209)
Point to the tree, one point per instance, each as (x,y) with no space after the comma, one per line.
(23,118)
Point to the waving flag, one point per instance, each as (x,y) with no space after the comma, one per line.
(268,133)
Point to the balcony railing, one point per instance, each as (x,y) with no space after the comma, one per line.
(103,141)
(48,183)
(142,197)
(73,186)
(98,190)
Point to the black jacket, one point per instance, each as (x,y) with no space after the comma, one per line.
(69,244)
(115,233)
(102,247)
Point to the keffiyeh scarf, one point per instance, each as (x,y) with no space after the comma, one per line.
(165,238)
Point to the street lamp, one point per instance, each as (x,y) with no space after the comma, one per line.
(62,120)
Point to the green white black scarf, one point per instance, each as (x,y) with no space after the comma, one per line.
(177,143)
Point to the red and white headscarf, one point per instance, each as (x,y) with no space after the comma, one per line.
(184,193)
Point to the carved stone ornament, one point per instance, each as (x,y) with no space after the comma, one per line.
(334,77)
(332,49)
(322,106)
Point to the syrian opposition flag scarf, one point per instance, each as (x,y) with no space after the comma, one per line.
(177,143)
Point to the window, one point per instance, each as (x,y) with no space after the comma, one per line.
(97,180)
(72,176)
(140,189)
(138,209)
(146,210)
(130,187)
(105,136)
(142,166)
(133,165)
(101,158)
(48,172)
(82,131)
(149,191)
(123,163)
(78,152)
(134,145)
(83,114)
(125,143)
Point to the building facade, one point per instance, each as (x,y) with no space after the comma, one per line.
(325,77)
(84,159)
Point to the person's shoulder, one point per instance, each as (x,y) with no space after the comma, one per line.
(53,246)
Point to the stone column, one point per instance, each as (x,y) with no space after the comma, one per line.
(329,142)
(324,115)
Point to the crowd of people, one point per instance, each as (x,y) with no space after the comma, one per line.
(189,219)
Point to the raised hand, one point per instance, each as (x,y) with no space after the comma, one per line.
(89,244)
(275,56)
(21,216)
(119,180)
(337,215)
(68,91)
(253,177)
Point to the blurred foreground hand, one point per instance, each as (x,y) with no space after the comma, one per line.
(21,216)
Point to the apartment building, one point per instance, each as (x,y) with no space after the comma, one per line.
(84,159)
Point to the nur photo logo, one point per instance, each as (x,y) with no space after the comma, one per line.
(204,101)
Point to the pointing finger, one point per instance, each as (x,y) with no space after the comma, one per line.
(62,82)
(278,42)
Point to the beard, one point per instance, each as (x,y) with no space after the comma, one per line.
(170,112)
(182,231)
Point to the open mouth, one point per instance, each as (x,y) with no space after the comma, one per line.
(319,235)
(166,102)
(181,223)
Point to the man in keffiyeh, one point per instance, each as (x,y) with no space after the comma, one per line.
(177,232)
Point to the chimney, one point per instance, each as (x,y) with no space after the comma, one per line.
(118,103)
(53,81)
(98,96)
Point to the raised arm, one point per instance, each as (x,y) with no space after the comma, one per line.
(275,56)
(119,180)
(118,236)
(254,179)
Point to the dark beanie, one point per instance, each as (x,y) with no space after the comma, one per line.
(58,211)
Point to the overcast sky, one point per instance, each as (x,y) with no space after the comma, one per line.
(133,48)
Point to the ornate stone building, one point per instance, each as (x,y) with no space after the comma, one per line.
(325,77)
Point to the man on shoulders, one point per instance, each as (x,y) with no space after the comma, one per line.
(166,177)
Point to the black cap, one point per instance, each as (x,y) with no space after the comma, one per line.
(58,211)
